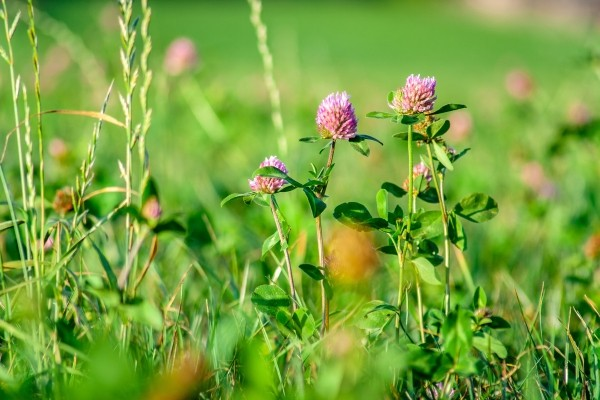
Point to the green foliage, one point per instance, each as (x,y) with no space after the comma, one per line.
(448,108)
(477,207)
(312,271)
(393,189)
(270,299)
(442,157)
(426,271)
(356,215)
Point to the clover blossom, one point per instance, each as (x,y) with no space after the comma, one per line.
(263,184)
(419,170)
(151,210)
(181,56)
(336,118)
(417,95)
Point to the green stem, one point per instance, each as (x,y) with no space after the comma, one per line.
(420,308)
(38,103)
(127,51)
(38,250)
(286,253)
(321,247)
(14,90)
(402,255)
(412,198)
(410,176)
(439,188)
(13,218)
(400,285)
(7,313)
(324,299)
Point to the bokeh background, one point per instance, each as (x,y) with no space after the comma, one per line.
(527,70)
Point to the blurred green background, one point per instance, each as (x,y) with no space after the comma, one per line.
(528,78)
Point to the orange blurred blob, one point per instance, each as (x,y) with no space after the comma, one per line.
(187,377)
(63,200)
(351,255)
(591,249)
(342,343)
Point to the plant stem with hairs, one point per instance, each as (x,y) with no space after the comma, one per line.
(401,255)
(439,188)
(411,210)
(321,247)
(286,253)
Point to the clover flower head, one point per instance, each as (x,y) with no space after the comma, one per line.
(534,177)
(63,200)
(181,57)
(436,392)
(336,118)
(417,96)
(420,170)
(519,84)
(263,184)
(151,209)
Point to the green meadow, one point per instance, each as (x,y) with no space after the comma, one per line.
(183,321)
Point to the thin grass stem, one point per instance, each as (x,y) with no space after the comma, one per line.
(286,252)
(14,86)
(267,59)
(38,103)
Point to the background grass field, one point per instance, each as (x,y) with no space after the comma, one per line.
(365,49)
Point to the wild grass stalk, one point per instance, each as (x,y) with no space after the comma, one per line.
(145,109)
(33,37)
(267,59)
(15,82)
(128,32)
(86,177)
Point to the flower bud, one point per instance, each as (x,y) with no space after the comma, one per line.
(421,171)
